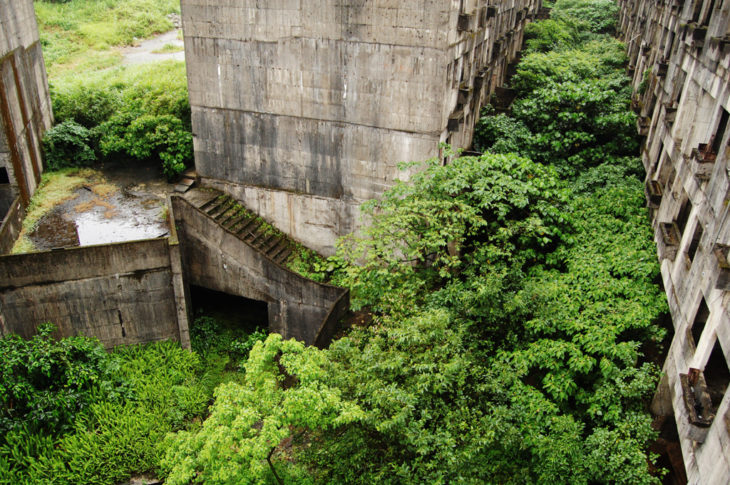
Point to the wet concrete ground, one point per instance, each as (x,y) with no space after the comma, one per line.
(128,204)
(145,52)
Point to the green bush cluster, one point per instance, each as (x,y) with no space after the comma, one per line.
(572,109)
(512,295)
(134,113)
(73,413)
(44,384)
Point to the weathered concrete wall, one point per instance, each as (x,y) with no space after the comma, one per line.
(25,106)
(11,226)
(217,259)
(121,293)
(680,61)
(303,110)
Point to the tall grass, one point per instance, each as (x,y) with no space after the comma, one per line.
(83,33)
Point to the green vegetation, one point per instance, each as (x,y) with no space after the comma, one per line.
(72,413)
(106,111)
(84,35)
(512,299)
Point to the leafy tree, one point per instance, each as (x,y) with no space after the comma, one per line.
(419,232)
(286,392)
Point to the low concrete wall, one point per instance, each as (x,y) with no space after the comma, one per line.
(11,225)
(121,293)
(215,258)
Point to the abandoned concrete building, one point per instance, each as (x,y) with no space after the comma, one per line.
(303,110)
(679,55)
(25,106)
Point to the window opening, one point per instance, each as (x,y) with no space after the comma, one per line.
(683,214)
(720,132)
(698,325)
(717,375)
(4,178)
(695,243)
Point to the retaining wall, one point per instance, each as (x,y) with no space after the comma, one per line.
(216,258)
(121,293)
(11,226)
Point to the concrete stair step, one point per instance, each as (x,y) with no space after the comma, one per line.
(274,243)
(221,209)
(232,221)
(283,256)
(265,241)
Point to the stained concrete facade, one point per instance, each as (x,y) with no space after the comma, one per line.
(680,61)
(217,258)
(25,106)
(137,292)
(303,109)
(120,293)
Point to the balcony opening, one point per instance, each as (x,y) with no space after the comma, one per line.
(698,325)
(695,243)
(720,133)
(683,214)
(717,375)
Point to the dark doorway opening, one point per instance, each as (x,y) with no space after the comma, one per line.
(233,312)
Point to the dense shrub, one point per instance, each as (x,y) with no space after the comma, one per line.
(68,145)
(134,114)
(44,383)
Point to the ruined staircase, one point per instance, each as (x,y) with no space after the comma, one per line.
(247,226)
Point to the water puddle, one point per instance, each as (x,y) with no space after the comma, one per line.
(127,204)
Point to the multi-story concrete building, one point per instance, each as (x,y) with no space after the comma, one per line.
(25,106)
(303,109)
(680,58)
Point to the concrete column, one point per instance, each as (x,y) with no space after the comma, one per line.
(179,285)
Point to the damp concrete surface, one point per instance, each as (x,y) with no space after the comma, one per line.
(147,51)
(127,203)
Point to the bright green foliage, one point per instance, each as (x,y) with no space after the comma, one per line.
(44,383)
(501,134)
(578,124)
(507,205)
(140,113)
(148,137)
(68,145)
(600,15)
(551,34)
(109,440)
(209,336)
(593,60)
(82,27)
(286,392)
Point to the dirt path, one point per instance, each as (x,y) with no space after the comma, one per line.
(148,50)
